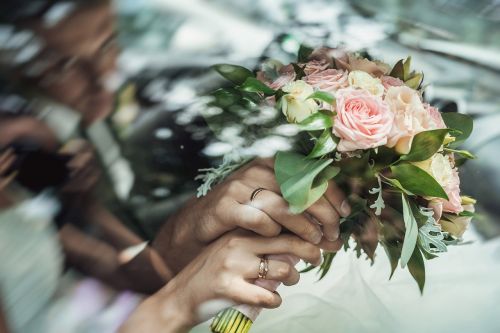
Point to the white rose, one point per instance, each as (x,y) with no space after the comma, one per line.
(363,80)
(295,105)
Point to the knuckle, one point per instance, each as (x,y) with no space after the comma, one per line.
(235,242)
(284,271)
(222,286)
(234,186)
(264,299)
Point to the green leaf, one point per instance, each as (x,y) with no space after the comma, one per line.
(296,176)
(425,145)
(415,81)
(304,53)
(407,68)
(234,73)
(322,96)
(416,267)
(225,98)
(395,183)
(464,153)
(327,263)
(299,71)
(251,84)
(324,145)
(393,253)
(417,181)
(316,121)
(460,122)
(328,173)
(411,232)
(398,70)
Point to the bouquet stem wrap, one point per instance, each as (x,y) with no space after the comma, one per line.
(239,319)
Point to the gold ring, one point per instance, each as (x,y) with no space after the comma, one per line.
(263,268)
(255,192)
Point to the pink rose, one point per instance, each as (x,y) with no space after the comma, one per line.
(452,189)
(435,116)
(286,75)
(363,121)
(410,117)
(389,81)
(315,66)
(354,63)
(329,80)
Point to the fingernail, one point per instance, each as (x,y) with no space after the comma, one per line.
(345,208)
(316,238)
(332,237)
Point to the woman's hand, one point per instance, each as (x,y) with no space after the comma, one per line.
(229,206)
(225,271)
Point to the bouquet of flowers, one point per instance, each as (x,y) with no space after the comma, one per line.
(364,124)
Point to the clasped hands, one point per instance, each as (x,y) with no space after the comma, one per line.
(215,245)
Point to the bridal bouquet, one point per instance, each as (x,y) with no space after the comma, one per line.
(365,125)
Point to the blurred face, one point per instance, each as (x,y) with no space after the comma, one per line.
(80,51)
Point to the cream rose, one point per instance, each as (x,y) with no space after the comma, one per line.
(363,80)
(295,105)
(441,168)
(410,117)
(363,121)
(457,224)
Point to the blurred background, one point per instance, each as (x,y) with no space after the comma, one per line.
(101,103)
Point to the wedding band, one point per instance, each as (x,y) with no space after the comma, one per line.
(263,268)
(255,192)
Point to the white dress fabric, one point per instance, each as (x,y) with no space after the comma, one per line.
(461,295)
(30,262)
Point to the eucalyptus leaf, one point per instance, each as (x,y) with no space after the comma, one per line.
(234,73)
(323,96)
(251,84)
(425,145)
(398,70)
(411,232)
(416,267)
(460,122)
(317,121)
(324,145)
(417,181)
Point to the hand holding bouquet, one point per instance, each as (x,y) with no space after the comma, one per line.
(364,124)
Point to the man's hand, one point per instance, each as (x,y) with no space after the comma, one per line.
(229,206)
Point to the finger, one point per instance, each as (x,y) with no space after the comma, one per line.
(258,176)
(282,272)
(327,216)
(329,246)
(338,199)
(251,218)
(6,162)
(287,244)
(277,208)
(247,293)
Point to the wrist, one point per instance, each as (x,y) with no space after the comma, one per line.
(162,312)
